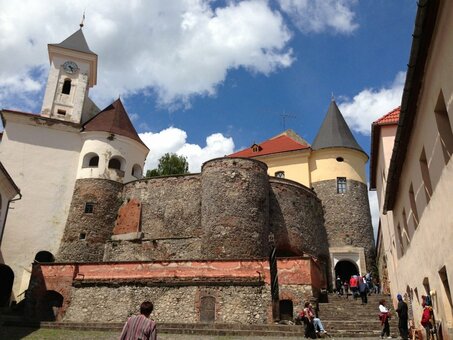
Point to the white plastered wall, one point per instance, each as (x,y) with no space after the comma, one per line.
(101,143)
(43,162)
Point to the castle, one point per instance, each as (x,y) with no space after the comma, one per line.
(246,240)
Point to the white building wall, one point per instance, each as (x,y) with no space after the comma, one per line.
(43,162)
(430,244)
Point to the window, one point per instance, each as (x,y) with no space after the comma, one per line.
(94,161)
(444,278)
(61,112)
(115,163)
(413,206)
(90,160)
(425,176)
(82,236)
(256,148)
(280,174)
(341,185)
(44,256)
(340,159)
(444,128)
(406,227)
(89,208)
(137,171)
(66,86)
(400,239)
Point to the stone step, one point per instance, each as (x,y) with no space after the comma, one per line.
(336,329)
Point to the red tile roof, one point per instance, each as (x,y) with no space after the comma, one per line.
(390,118)
(113,119)
(278,144)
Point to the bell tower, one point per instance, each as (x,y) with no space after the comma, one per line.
(73,71)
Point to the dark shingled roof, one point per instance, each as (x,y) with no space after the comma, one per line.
(335,132)
(75,42)
(113,119)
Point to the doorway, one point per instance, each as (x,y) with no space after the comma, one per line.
(286,310)
(6,284)
(345,269)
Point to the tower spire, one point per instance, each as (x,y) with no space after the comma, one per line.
(83,20)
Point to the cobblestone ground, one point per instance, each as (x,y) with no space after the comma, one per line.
(12,333)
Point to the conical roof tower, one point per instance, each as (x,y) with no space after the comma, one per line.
(335,132)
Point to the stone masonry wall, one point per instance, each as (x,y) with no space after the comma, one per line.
(347,216)
(86,233)
(296,219)
(235,209)
(234,304)
(170,220)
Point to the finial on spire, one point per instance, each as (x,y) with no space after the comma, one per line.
(83,19)
(333,97)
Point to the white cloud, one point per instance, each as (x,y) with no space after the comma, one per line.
(374,209)
(321,15)
(174,140)
(371,104)
(175,49)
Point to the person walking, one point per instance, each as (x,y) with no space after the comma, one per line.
(401,310)
(353,285)
(427,316)
(346,288)
(140,326)
(339,286)
(363,290)
(384,316)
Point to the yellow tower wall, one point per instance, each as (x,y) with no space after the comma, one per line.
(324,165)
(294,164)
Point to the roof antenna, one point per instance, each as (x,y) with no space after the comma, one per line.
(285,116)
(83,19)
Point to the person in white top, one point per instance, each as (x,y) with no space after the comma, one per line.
(384,316)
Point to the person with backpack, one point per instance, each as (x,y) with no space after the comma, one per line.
(384,316)
(427,316)
(363,290)
(354,286)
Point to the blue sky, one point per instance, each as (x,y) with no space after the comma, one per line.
(206,78)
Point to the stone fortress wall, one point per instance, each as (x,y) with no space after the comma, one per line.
(347,216)
(226,212)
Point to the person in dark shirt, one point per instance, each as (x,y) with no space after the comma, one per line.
(402,317)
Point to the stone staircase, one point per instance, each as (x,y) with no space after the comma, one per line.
(340,316)
(343,317)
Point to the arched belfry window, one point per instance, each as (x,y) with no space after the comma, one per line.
(90,160)
(137,171)
(66,86)
(115,163)
(94,161)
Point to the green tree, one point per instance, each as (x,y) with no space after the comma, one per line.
(170,164)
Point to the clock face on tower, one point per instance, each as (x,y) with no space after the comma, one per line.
(70,67)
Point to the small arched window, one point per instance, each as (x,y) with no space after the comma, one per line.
(115,163)
(94,161)
(90,160)
(280,174)
(44,256)
(137,171)
(66,86)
